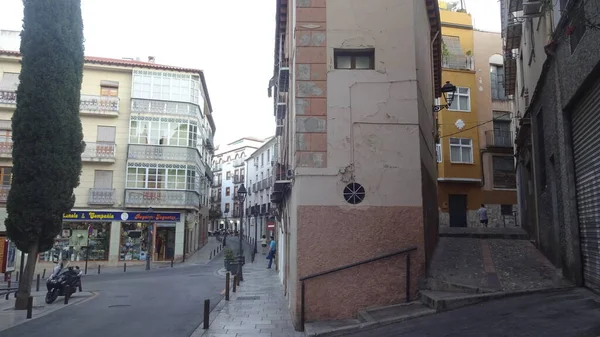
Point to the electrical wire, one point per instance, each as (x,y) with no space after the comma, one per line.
(476,126)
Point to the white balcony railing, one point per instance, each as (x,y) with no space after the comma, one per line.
(101,196)
(161,199)
(458,62)
(6,149)
(89,104)
(166,153)
(99,152)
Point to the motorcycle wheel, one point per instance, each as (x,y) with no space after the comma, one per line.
(51,296)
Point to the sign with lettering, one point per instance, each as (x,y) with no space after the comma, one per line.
(122,216)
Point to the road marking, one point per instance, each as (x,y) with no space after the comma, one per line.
(95,294)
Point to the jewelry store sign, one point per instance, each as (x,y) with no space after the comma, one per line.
(122,216)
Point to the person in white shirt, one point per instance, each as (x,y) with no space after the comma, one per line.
(263,244)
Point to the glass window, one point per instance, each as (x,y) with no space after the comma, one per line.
(71,243)
(109,91)
(462,100)
(461,150)
(227,191)
(134,241)
(504,172)
(497,82)
(354,59)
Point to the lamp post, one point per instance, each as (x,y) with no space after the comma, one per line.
(241,197)
(149,242)
(226,227)
(255,235)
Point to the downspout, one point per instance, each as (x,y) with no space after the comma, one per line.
(481,152)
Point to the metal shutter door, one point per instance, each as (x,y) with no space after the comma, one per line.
(586,150)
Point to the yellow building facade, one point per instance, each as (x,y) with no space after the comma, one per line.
(149,131)
(465,169)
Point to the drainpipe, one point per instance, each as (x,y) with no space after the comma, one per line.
(481,152)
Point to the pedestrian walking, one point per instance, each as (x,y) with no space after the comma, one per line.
(272,251)
(263,244)
(483,215)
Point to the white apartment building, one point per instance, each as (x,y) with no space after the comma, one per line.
(259,182)
(229,168)
(149,134)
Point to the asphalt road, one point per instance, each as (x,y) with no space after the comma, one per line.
(574,313)
(161,302)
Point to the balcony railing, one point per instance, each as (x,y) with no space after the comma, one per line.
(164,108)
(4,193)
(496,138)
(239,179)
(166,153)
(99,152)
(263,209)
(459,62)
(8,97)
(101,196)
(161,199)
(254,189)
(215,200)
(217,167)
(259,186)
(236,213)
(218,183)
(6,149)
(238,162)
(99,105)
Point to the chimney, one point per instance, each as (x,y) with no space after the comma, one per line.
(151,59)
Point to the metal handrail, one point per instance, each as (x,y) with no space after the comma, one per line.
(406,251)
(8,291)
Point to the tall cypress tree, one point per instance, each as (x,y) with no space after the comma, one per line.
(47,133)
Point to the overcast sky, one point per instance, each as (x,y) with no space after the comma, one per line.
(232,41)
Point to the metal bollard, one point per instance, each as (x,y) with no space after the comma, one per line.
(172,261)
(67,293)
(206,313)
(210,257)
(37,283)
(234,282)
(30,305)
(124,267)
(238,278)
(98,269)
(44,273)
(227,276)
(17,277)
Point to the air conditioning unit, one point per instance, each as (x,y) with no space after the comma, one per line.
(532,7)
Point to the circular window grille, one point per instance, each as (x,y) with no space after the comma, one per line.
(354,193)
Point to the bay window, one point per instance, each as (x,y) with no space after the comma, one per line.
(163,131)
(167,86)
(180,177)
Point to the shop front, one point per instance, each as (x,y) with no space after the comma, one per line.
(110,238)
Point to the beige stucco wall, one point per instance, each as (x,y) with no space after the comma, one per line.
(374,137)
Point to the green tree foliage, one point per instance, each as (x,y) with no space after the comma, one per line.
(214,214)
(47,132)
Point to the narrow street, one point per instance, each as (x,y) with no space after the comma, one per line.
(161,302)
(572,313)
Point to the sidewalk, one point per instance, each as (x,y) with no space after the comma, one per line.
(204,255)
(10,317)
(257,309)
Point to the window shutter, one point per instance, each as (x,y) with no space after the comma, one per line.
(103,179)
(106,134)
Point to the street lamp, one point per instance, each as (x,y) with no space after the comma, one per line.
(255,232)
(448,92)
(241,197)
(149,242)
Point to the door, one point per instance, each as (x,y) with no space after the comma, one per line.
(457,204)
(586,146)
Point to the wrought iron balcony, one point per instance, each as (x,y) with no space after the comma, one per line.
(498,139)
(96,105)
(215,200)
(161,199)
(458,62)
(217,184)
(236,213)
(259,186)
(263,209)
(217,167)
(164,107)
(239,179)
(101,196)
(238,162)
(4,189)
(6,149)
(166,153)
(8,97)
(99,152)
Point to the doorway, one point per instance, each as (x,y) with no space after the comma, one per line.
(165,244)
(457,204)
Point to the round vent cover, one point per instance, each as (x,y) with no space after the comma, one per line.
(354,193)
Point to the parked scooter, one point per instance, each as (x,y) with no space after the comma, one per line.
(60,279)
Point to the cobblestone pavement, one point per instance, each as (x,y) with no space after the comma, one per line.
(572,313)
(499,264)
(257,309)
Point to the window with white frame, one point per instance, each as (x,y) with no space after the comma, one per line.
(163,131)
(438,152)
(167,86)
(461,150)
(154,177)
(462,100)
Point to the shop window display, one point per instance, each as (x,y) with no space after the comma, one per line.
(71,243)
(133,244)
